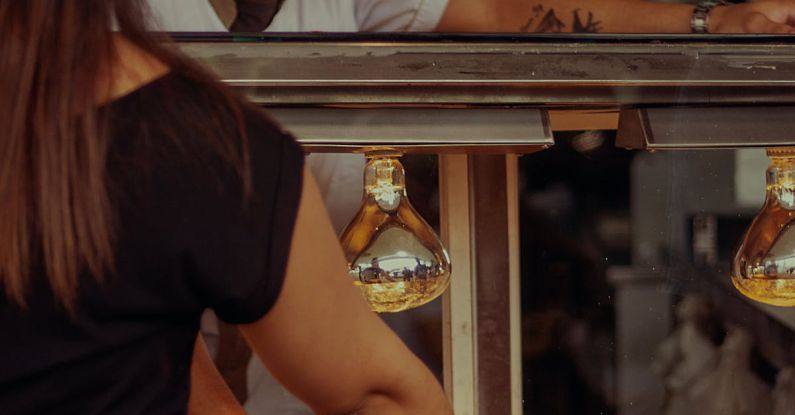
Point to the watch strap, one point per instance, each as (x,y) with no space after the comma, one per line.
(699,22)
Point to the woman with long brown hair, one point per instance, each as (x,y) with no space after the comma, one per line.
(135,192)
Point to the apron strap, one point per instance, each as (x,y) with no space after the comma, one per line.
(255,15)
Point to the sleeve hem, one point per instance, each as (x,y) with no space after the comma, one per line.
(428,15)
(265,294)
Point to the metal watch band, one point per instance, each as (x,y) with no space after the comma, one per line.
(699,22)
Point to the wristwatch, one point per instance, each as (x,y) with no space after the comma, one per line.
(699,22)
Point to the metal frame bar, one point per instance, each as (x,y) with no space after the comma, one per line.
(482,316)
(489,201)
(514,280)
(527,70)
(459,331)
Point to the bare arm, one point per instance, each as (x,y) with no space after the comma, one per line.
(209,395)
(322,341)
(611,16)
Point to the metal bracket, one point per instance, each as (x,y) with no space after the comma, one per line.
(685,127)
(418,130)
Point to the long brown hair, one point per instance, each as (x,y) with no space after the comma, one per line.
(54,204)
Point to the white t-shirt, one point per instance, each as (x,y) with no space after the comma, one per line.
(339,176)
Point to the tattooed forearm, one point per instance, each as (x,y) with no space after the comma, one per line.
(544,20)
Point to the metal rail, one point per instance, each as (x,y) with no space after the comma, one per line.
(532,70)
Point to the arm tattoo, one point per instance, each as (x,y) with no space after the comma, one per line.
(548,22)
(537,10)
(591,26)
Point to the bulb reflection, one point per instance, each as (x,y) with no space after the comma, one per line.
(764,266)
(395,258)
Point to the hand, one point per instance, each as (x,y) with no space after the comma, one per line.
(771,16)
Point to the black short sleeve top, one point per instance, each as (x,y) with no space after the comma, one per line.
(188,238)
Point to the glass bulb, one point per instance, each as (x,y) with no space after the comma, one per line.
(393,254)
(764,267)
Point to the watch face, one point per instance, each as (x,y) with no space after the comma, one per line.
(699,23)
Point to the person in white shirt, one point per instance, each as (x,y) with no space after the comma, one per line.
(762,16)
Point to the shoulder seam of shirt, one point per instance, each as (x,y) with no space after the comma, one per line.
(422,11)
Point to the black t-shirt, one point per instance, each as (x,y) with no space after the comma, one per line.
(187,239)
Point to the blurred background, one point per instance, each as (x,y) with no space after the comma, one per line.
(627,306)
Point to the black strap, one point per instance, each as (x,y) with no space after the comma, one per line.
(255,15)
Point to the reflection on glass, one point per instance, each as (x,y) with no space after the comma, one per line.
(764,267)
(394,256)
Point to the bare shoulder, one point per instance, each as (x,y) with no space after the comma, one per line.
(132,68)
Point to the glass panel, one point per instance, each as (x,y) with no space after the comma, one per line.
(627,300)
(575,226)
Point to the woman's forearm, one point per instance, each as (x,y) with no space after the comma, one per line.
(424,396)
(382,405)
